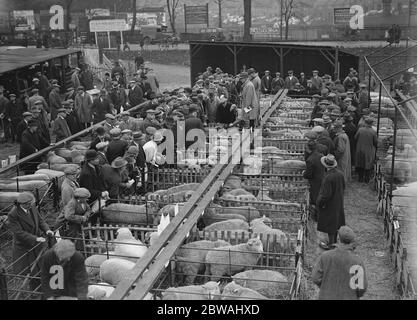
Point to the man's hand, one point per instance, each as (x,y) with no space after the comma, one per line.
(40,239)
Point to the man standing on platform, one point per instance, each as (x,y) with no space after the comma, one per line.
(249,102)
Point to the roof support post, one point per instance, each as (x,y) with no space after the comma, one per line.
(337,67)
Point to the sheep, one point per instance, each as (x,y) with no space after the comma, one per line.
(196,252)
(231,224)
(210,216)
(54,159)
(233,291)
(259,227)
(114,270)
(99,291)
(127,246)
(271,284)
(230,260)
(93,263)
(248,212)
(207,291)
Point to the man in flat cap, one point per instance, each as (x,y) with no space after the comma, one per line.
(135,95)
(35,96)
(110,123)
(117,147)
(12,116)
(150,120)
(44,84)
(254,77)
(340,273)
(101,152)
(101,106)
(69,185)
(342,150)
(29,233)
(75,80)
(82,105)
(72,119)
(363,97)
(118,96)
(249,102)
(366,142)
(277,83)
(290,80)
(31,143)
(55,102)
(22,126)
(60,126)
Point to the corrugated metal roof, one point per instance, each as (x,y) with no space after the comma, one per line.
(19,58)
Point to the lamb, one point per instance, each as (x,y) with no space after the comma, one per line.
(99,291)
(54,159)
(127,246)
(231,224)
(271,284)
(230,260)
(210,216)
(248,212)
(259,227)
(233,291)
(194,251)
(207,291)
(114,270)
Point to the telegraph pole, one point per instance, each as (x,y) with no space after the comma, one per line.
(280,20)
(247,7)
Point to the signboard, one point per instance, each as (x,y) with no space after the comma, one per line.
(108,25)
(264,30)
(342,16)
(24,20)
(196,14)
(154,19)
(209,30)
(98,12)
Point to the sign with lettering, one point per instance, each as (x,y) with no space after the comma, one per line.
(24,20)
(108,25)
(196,14)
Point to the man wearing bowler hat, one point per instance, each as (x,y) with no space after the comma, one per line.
(340,273)
(330,201)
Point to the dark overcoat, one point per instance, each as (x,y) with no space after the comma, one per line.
(26,227)
(91,180)
(330,202)
(116,148)
(366,142)
(314,173)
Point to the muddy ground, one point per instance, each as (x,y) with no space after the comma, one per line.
(360,213)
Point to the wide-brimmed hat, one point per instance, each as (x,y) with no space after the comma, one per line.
(326,119)
(119,162)
(329,161)
(82,193)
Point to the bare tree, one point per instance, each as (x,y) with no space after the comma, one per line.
(220,4)
(247,15)
(172,12)
(288,7)
(132,30)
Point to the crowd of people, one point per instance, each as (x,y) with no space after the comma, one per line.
(124,150)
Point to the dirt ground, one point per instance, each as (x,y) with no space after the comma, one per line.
(360,213)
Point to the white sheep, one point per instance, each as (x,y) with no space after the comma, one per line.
(99,291)
(233,291)
(230,260)
(259,227)
(271,284)
(207,291)
(196,252)
(93,263)
(114,270)
(231,224)
(127,246)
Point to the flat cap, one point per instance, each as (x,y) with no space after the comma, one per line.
(35,79)
(102,145)
(133,150)
(27,114)
(82,193)
(152,111)
(35,90)
(150,130)
(126,131)
(71,170)
(65,103)
(115,132)
(38,102)
(81,88)
(25,197)
(110,116)
(318,129)
(91,155)
(319,120)
(346,235)
(316,96)
(61,110)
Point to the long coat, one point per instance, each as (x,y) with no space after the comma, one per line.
(317,82)
(91,180)
(277,84)
(112,180)
(75,80)
(330,202)
(290,83)
(67,191)
(74,123)
(54,103)
(257,84)
(26,227)
(249,99)
(82,105)
(21,127)
(366,142)
(135,96)
(101,106)
(61,129)
(116,148)
(342,154)
(314,173)
(75,217)
(31,143)
(75,276)
(333,275)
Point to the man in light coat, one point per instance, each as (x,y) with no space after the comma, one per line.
(83,103)
(55,101)
(75,80)
(290,81)
(340,273)
(249,101)
(342,151)
(69,185)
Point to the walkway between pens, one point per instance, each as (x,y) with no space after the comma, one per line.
(360,213)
